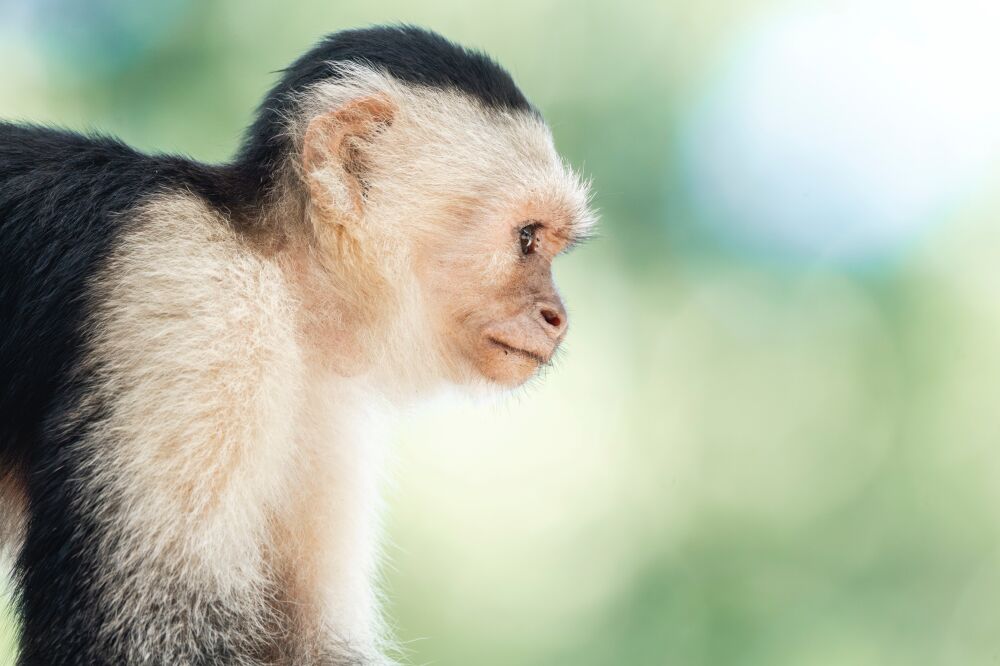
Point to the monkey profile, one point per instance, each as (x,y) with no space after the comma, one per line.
(195,358)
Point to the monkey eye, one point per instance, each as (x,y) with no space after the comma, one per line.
(527,237)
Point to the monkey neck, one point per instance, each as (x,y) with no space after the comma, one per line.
(340,303)
(357,316)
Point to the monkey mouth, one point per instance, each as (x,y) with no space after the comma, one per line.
(510,349)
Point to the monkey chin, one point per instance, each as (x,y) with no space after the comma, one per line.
(506,365)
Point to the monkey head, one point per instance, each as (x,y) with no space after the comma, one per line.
(452,212)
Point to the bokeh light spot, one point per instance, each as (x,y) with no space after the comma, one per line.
(842,134)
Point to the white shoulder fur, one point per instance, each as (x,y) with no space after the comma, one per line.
(218,452)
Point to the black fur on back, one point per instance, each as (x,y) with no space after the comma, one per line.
(65,200)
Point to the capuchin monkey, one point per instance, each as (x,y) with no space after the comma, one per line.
(195,359)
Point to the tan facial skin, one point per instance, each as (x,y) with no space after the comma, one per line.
(501,313)
(531,321)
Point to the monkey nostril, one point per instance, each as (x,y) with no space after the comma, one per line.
(552,318)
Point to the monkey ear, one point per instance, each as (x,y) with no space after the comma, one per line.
(333,154)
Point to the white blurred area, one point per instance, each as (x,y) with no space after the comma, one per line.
(842,130)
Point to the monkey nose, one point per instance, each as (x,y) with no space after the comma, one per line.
(554,316)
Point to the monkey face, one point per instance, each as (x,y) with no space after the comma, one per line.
(475,204)
(527,320)
(498,313)
(496,221)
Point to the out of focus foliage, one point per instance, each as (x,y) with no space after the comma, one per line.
(773,437)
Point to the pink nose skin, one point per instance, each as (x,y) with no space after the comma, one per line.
(554,316)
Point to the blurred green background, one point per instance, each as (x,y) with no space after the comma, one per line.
(774,436)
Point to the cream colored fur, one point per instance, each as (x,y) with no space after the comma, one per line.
(194,349)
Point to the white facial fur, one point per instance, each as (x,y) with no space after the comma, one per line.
(447,184)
